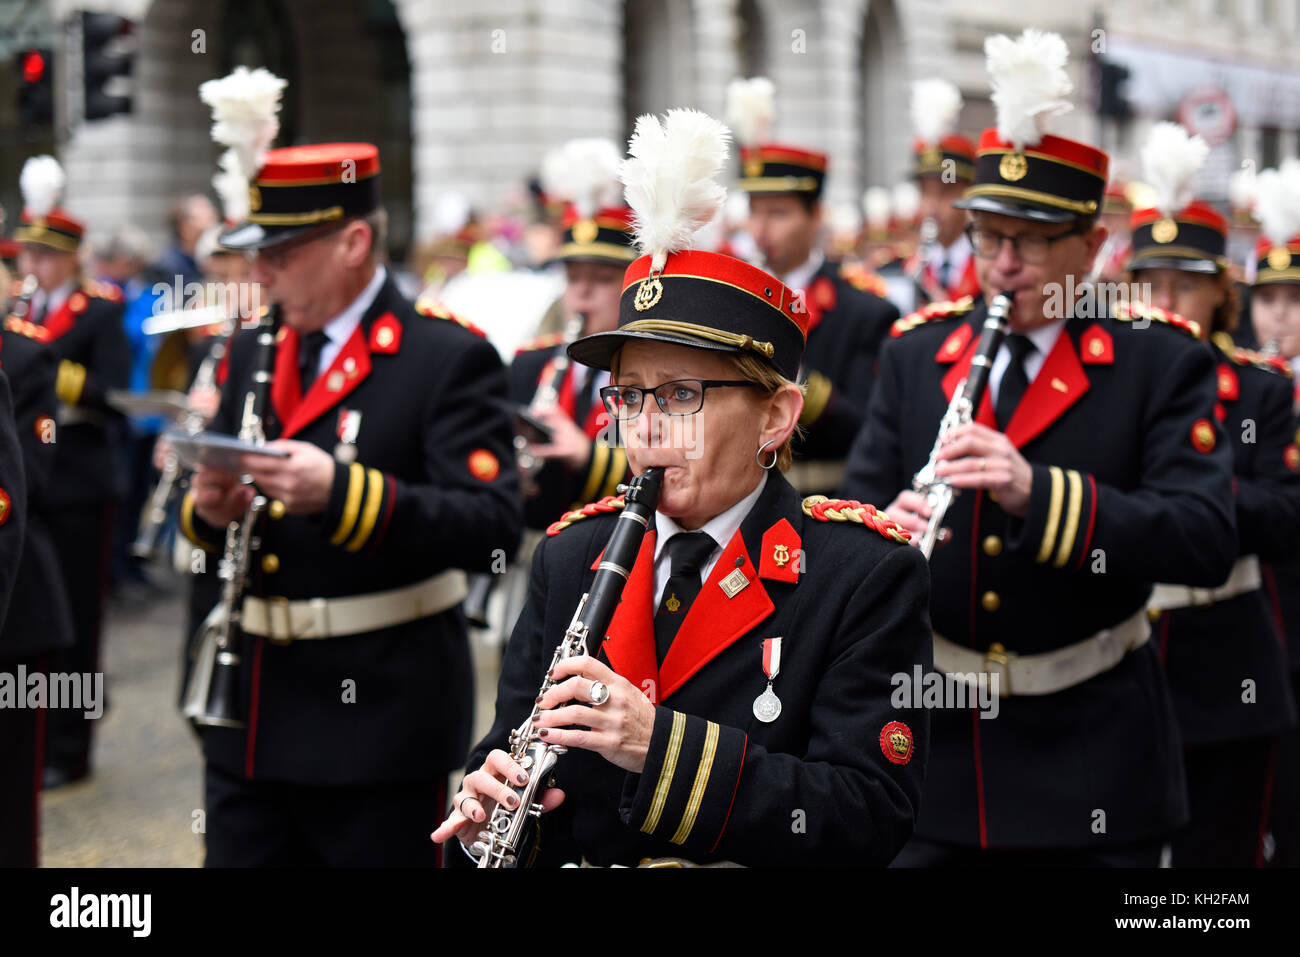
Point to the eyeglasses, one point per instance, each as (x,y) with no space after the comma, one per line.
(1031,247)
(679,397)
(278,255)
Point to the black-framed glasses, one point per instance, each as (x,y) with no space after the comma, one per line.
(278,255)
(679,397)
(1031,247)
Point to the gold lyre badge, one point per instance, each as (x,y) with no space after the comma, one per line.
(648,293)
(780,555)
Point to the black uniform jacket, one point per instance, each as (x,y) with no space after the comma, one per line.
(416,401)
(834,780)
(1131,484)
(847,324)
(559,488)
(1226,662)
(13,498)
(93,354)
(39,618)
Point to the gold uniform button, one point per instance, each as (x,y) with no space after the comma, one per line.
(270,564)
(276,509)
(991,601)
(1153,614)
(993,546)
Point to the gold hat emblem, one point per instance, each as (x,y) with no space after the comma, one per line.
(648,293)
(1279,257)
(1014,166)
(584,231)
(254,199)
(1164,231)
(754,167)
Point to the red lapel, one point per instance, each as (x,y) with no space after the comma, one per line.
(960,370)
(1059,384)
(64,318)
(968,284)
(322,396)
(285,387)
(630,649)
(714,620)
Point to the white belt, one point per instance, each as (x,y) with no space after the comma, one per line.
(1245,577)
(74,415)
(1050,671)
(283,621)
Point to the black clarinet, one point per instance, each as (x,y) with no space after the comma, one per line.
(221,708)
(511,836)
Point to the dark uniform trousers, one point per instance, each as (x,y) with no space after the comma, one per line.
(832,781)
(1131,482)
(358,726)
(1226,662)
(38,622)
(847,326)
(88,479)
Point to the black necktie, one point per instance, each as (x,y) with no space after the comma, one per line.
(943,273)
(309,350)
(1014,382)
(688,552)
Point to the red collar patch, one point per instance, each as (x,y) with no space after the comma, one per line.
(1096,347)
(1229,387)
(952,347)
(781,554)
(386,334)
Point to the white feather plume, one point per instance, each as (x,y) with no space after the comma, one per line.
(751,108)
(1241,188)
(41,182)
(875,206)
(1029,83)
(232,187)
(584,172)
(1171,158)
(906,200)
(936,104)
(669,179)
(1277,202)
(244,107)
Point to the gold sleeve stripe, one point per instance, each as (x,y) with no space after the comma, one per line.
(70,381)
(1071,519)
(351,505)
(187,520)
(817,393)
(1053,513)
(666,774)
(374,498)
(599,462)
(701,782)
(617,466)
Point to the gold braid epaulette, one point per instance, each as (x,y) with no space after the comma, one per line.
(825,509)
(1128,311)
(863,279)
(1275,364)
(610,503)
(935,310)
(436,310)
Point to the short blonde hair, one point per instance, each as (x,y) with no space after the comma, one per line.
(764,375)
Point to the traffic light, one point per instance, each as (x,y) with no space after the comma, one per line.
(108,53)
(1112,100)
(35,88)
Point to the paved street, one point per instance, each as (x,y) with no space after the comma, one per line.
(137,808)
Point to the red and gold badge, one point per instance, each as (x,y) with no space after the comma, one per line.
(483,465)
(896,742)
(44,428)
(77,302)
(386,334)
(1203,435)
(1292,457)
(1228,385)
(1096,347)
(4,506)
(952,346)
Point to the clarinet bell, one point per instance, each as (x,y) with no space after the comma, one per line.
(222,707)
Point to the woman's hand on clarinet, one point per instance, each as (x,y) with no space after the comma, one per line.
(619,728)
(479,795)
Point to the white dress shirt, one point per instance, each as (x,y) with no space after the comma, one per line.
(721,528)
(957,255)
(801,277)
(1044,339)
(339,329)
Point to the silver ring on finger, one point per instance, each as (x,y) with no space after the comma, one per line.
(599,693)
(983,464)
(460,805)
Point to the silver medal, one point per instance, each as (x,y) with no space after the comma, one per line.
(767,706)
